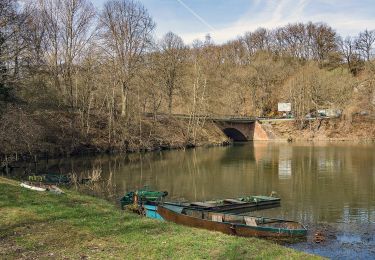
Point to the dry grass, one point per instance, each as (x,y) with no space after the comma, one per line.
(361,129)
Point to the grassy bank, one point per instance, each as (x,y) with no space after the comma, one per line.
(42,225)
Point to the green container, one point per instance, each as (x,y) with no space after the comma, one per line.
(143,196)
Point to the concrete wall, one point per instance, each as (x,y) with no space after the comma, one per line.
(260,133)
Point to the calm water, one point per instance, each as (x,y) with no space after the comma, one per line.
(328,187)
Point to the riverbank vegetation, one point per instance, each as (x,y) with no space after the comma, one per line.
(43,225)
(73,78)
(360,129)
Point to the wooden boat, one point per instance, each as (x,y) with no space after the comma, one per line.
(146,196)
(41,187)
(247,226)
(31,187)
(237,205)
(142,196)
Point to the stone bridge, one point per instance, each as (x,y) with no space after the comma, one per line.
(239,129)
(242,129)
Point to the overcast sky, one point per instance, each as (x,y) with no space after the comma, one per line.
(227,19)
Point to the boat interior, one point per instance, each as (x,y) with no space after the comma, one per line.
(246,220)
(252,200)
(238,201)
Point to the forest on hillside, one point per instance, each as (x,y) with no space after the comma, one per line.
(72,76)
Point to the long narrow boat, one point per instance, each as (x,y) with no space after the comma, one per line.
(42,187)
(237,205)
(31,187)
(146,196)
(246,226)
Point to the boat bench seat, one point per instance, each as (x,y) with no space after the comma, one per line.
(250,221)
(233,201)
(202,204)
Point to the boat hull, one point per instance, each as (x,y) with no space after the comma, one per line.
(181,219)
(226,227)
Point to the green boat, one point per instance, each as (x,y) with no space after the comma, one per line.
(146,196)
(234,206)
(142,196)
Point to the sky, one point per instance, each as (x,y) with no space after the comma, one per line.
(227,19)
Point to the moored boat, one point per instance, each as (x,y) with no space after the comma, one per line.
(236,205)
(239,205)
(142,196)
(41,187)
(247,226)
(32,187)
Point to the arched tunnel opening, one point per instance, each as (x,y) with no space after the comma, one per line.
(235,135)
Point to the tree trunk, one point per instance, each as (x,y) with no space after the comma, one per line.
(170,100)
(124,94)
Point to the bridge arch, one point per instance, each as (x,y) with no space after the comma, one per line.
(235,134)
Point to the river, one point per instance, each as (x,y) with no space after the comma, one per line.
(329,187)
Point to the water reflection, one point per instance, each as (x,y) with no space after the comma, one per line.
(318,182)
(285,162)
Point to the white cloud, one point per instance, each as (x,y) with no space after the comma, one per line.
(274,13)
(271,14)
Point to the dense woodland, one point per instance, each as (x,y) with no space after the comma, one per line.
(73,77)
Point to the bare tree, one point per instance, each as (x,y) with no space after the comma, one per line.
(12,20)
(365,43)
(76,31)
(49,12)
(347,47)
(349,52)
(322,41)
(171,64)
(126,31)
(234,52)
(67,31)
(151,77)
(199,105)
(259,40)
(36,38)
(7,17)
(292,39)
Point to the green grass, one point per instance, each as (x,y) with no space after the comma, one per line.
(45,225)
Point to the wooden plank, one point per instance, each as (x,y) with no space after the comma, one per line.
(234,201)
(217,217)
(202,204)
(251,221)
(266,198)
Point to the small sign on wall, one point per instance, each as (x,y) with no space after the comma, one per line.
(284,107)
